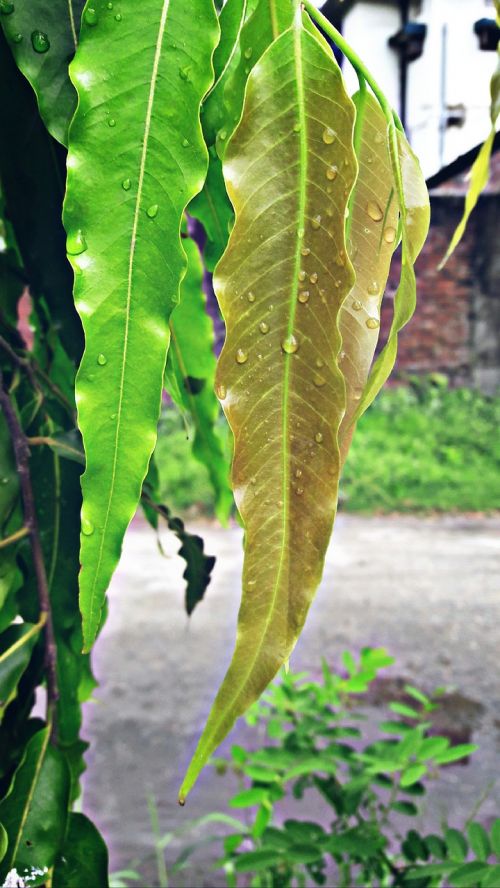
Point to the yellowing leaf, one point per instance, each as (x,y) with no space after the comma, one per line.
(413,200)
(371,237)
(136,159)
(280,285)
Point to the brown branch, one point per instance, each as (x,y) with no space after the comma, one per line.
(32,368)
(22,457)
(14,537)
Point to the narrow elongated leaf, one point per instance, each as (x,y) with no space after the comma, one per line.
(84,856)
(34,811)
(280,285)
(43,38)
(16,646)
(480,171)
(371,238)
(136,159)
(190,374)
(413,200)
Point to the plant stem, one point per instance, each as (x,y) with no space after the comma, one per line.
(14,537)
(22,456)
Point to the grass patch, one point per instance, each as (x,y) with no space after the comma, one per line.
(423,447)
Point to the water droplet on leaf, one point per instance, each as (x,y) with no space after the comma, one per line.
(379,138)
(39,41)
(102,360)
(111,122)
(17,38)
(90,16)
(313,277)
(251,297)
(299,491)
(152,211)
(318,380)
(316,222)
(319,362)
(87,527)
(328,136)
(126,184)
(263,327)
(221,392)
(118,17)
(389,235)
(185,143)
(374,211)
(6,7)
(184,73)
(241,356)
(298,473)
(290,345)
(374,288)
(302,275)
(331,173)
(318,437)
(372,323)
(305,251)
(303,296)
(357,305)
(76,243)
(248,52)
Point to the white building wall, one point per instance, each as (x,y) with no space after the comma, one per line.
(452,71)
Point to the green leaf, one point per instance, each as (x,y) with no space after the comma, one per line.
(136,159)
(371,238)
(34,199)
(456,844)
(249,797)
(412,775)
(190,374)
(479,841)
(469,875)
(413,200)
(288,241)
(406,808)
(492,878)
(495,837)
(43,38)
(432,746)
(255,861)
(35,809)
(198,565)
(16,647)
(402,709)
(84,856)
(4,842)
(464,750)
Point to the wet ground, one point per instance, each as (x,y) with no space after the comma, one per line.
(427,589)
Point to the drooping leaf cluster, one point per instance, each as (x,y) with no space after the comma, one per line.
(240,119)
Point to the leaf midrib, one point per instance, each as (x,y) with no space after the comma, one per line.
(133,240)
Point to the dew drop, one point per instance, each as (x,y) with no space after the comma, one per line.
(90,16)
(221,391)
(76,243)
(126,184)
(263,327)
(328,136)
(185,143)
(296,128)
(379,138)
(319,362)
(302,275)
(316,222)
(184,72)
(109,5)
(39,41)
(374,288)
(318,437)
(17,38)
(118,17)
(374,211)
(102,360)
(389,235)
(313,278)
(303,296)
(331,173)
(305,251)
(111,122)
(318,380)
(357,305)
(152,211)
(251,297)
(340,260)
(298,473)
(241,356)
(87,527)
(6,7)
(223,135)
(290,344)
(367,230)
(369,159)
(248,52)
(299,491)
(372,323)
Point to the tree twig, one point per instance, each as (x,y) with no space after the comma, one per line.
(14,537)
(33,369)
(22,456)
